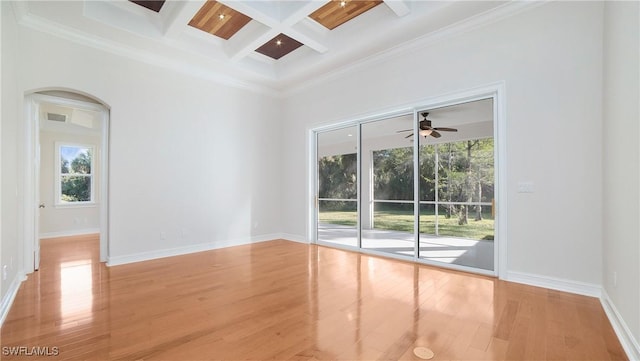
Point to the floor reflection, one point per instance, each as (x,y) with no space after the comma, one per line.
(76,292)
(444,249)
(385,307)
(295,302)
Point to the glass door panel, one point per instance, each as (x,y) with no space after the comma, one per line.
(457,182)
(366,192)
(337,187)
(387,186)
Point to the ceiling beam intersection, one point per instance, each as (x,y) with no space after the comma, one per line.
(276,26)
(399,7)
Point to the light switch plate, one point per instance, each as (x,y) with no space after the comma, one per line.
(526,187)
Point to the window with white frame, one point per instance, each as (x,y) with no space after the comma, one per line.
(74,174)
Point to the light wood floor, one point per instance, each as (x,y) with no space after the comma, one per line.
(290,301)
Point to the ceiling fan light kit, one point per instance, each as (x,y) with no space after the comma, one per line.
(427,130)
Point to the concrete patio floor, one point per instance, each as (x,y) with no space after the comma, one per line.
(445,249)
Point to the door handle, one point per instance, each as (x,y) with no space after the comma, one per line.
(41,205)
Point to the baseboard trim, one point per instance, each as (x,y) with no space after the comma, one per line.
(178,251)
(558,284)
(79,232)
(629,343)
(8,299)
(294,238)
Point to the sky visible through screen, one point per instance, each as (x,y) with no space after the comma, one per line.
(69,153)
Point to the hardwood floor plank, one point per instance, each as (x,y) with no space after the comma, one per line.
(281,300)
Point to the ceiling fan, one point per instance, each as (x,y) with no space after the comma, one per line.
(426,128)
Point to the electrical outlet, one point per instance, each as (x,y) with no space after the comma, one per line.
(163,235)
(4,272)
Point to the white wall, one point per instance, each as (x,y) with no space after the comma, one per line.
(10,243)
(192,164)
(621,138)
(205,164)
(551,61)
(57,221)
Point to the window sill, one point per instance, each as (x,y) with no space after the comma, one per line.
(76,205)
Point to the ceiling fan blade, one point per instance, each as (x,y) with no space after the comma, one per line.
(410,135)
(435,134)
(446,129)
(406,130)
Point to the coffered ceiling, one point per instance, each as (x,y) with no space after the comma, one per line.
(271,46)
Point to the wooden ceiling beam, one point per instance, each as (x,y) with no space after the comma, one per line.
(335,13)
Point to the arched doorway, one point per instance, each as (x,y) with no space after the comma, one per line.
(73,122)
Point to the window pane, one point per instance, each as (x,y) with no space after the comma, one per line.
(337,176)
(64,166)
(75,160)
(337,186)
(393,172)
(465,171)
(427,172)
(427,219)
(388,186)
(472,221)
(75,188)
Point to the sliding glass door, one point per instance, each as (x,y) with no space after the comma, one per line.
(387,187)
(337,193)
(456,202)
(367,197)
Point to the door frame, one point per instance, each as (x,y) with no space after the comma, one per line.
(495,91)
(31,159)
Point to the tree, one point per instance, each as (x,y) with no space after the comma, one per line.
(337,178)
(76,179)
(393,174)
(64,166)
(465,175)
(81,164)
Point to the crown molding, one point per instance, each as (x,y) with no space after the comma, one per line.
(281,88)
(474,22)
(27,19)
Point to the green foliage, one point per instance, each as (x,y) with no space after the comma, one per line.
(76,178)
(82,163)
(76,188)
(403,220)
(338,176)
(465,172)
(393,174)
(64,166)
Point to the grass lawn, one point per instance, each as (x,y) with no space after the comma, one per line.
(394,220)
